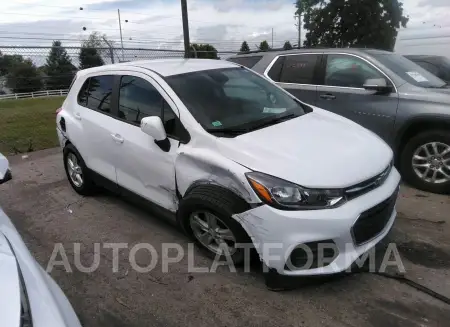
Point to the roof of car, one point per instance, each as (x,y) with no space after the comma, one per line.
(422,56)
(168,67)
(325,50)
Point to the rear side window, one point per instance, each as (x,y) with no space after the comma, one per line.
(299,69)
(82,95)
(275,71)
(248,62)
(100,92)
(138,99)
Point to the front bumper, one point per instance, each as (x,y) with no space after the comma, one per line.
(275,233)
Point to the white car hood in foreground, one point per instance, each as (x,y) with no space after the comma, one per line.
(9,285)
(3,166)
(48,305)
(319,149)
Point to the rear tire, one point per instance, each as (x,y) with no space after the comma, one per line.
(418,147)
(221,203)
(75,166)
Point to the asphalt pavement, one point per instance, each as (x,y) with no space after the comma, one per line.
(46,211)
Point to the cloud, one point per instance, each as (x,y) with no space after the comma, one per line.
(223,23)
(434,3)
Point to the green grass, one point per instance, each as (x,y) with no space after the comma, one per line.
(28,124)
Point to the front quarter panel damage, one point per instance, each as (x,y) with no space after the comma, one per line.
(201,166)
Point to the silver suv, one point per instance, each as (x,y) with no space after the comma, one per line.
(404,104)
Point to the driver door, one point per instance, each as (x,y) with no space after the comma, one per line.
(142,166)
(342,92)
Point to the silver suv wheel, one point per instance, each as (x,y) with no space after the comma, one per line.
(431,162)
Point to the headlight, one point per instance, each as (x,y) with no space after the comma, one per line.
(289,196)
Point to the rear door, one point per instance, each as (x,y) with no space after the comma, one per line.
(95,112)
(297,74)
(341,91)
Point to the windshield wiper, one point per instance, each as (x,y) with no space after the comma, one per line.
(228,131)
(443,86)
(273,121)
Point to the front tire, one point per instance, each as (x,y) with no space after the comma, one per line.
(425,161)
(205,215)
(77,172)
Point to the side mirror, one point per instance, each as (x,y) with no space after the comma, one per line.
(154,127)
(5,173)
(377,84)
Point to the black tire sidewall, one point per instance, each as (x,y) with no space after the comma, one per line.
(406,168)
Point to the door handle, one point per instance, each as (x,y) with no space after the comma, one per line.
(328,96)
(117,138)
(78,116)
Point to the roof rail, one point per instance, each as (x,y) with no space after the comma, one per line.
(307,48)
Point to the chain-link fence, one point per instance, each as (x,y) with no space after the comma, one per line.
(34,75)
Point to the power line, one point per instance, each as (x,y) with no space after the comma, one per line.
(77,9)
(425,38)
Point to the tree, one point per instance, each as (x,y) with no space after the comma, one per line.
(23,76)
(287,46)
(91,52)
(264,46)
(206,51)
(349,23)
(59,68)
(8,61)
(245,47)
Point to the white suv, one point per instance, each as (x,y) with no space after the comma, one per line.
(235,159)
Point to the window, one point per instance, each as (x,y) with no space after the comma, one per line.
(409,71)
(232,97)
(248,62)
(275,71)
(82,96)
(99,93)
(349,71)
(428,66)
(170,120)
(299,69)
(138,99)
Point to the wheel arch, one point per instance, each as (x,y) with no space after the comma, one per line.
(416,126)
(203,167)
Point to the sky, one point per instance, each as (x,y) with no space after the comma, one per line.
(223,23)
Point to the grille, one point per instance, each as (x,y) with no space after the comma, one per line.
(368,185)
(372,222)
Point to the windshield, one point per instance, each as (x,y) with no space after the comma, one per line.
(409,71)
(233,98)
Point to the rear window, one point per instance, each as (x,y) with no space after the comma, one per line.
(299,69)
(248,62)
(96,93)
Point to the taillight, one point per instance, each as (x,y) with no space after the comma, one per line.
(58,110)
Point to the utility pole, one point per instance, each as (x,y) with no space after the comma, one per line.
(299,30)
(121,39)
(184,15)
(272,37)
(111,50)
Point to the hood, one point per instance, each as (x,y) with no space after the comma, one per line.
(10,298)
(411,92)
(317,150)
(4,165)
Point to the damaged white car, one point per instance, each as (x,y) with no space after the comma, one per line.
(28,295)
(235,159)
